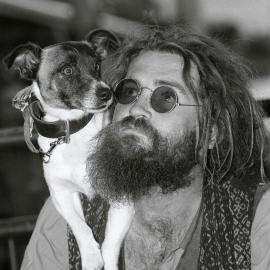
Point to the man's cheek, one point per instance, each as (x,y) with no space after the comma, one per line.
(174,132)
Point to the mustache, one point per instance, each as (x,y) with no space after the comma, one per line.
(139,123)
(114,135)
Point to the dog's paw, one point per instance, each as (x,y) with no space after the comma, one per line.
(110,257)
(108,266)
(91,259)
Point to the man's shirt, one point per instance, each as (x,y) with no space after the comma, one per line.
(48,248)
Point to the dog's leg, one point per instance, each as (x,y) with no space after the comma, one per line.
(119,220)
(69,206)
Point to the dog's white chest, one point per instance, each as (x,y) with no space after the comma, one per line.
(67,164)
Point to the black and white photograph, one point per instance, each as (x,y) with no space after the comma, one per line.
(135,135)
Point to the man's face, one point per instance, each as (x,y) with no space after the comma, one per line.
(152,69)
(142,148)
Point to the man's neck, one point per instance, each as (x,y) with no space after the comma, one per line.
(166,204)
(161,222)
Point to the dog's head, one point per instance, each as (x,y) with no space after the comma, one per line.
(67,73)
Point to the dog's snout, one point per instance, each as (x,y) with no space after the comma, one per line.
(104,94)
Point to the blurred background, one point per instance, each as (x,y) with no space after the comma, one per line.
(243,25)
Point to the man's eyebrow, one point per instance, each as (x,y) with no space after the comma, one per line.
(173,84)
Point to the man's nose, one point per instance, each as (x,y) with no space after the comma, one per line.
(141,107)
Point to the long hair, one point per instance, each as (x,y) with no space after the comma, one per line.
(228,109)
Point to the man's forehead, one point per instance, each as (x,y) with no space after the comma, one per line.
(156,62)
(159,65)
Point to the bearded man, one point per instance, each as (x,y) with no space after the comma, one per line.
(187,146)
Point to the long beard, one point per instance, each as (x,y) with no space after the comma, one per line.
(125,166)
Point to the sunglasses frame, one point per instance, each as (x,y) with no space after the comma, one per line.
(152,91)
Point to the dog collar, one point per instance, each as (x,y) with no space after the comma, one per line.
(56,129)
(59,130)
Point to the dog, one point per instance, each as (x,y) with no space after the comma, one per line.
(68,104)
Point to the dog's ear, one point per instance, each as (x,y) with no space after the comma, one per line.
(103,42)
(25,58)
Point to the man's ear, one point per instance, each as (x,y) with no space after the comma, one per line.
(25,58)
(213,137)
(103,42)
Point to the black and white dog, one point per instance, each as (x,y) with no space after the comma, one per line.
(71,108)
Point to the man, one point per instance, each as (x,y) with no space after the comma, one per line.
(187,146)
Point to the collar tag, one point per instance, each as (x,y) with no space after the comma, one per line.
(47,155)
(63,139)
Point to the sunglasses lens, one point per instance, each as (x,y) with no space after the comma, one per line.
(126,91)
(163,99)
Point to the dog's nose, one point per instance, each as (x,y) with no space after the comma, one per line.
(104,94)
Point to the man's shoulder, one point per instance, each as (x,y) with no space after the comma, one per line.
(47,248)
(262,194)
(260,232)
(50,223)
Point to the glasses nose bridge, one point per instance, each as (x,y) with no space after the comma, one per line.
(146,88)
(141,88)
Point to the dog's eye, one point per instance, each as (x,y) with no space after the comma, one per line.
(67,70)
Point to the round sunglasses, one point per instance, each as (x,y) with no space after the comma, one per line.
(163,98)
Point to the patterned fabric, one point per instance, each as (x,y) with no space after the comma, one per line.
(95,213)
(226,227)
